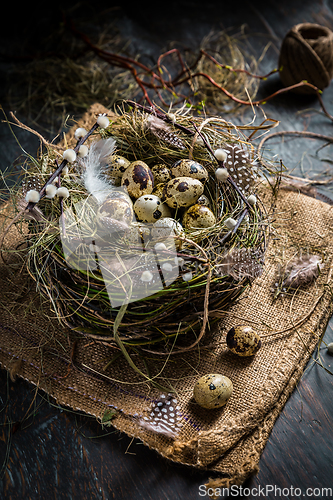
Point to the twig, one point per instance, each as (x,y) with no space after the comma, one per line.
(60,167)
(301,133)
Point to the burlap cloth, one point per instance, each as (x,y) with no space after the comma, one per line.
(228,440)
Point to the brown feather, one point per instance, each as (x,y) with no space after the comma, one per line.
(164,132)
(301,271)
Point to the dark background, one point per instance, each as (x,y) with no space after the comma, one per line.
(47,451)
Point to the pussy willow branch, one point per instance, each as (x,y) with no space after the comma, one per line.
(60,167)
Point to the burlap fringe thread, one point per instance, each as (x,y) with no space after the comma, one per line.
(228,441)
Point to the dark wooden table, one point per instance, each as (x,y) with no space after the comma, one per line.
(50,452)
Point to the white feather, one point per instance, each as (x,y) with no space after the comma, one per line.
(93,181)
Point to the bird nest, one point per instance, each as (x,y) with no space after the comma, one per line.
(118,275)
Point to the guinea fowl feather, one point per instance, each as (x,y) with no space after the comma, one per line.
(164,417)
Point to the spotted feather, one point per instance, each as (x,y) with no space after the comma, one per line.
(164,417)
(240,167)
(164,132)
(31,182)
(242,263)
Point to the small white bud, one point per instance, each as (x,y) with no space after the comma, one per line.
(167,266)
(252,200)
(160,246)
(200,141)
(187,276)
(55,180)
(62,192)
(146,276)
(65,170)
(69,155)
(171,117)
(220,155)
(179,261)
(103,121)
(32,196)
(330,348)
(230,223)
(83,151)
(50,191)
(221,174)
(79,133)
(94,248)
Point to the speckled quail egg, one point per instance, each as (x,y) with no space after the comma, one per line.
(137,234)
(198,216)
(159,190)
(138,179)
(115,168)
(115,213)
(150,208)
(166,228)
(161,173)
(212,390)
(182,192)
(204,200)
(189,168)
(243,340)
(117,194)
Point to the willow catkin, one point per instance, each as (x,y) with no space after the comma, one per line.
(307,54)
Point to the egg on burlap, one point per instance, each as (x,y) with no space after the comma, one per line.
(212,390)
(243,340)
(182,192)
(138,179)
(198,216)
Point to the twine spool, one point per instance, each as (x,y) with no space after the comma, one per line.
(307,54)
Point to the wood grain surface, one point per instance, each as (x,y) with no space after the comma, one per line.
(47,452)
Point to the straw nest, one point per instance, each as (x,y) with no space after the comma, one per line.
(122,282)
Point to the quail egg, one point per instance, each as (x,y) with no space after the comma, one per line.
(212,391)
(115,213)
(137,234)
(115,168)
(159,190)
(243,340)
(182,192)
(198,216)
(165,229)
(189,168)
(150,208)
(161,173)
(138,179)
(204,200)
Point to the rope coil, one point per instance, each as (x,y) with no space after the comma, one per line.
(307,54)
